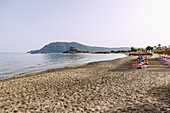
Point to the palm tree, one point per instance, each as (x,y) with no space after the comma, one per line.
(163,48)
(159,45)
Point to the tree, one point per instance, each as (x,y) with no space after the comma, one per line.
(149,48)
(133,49)
(164,47)
(142,49)
(159,46)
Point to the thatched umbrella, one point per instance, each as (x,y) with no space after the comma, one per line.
(139,53)
(167,51)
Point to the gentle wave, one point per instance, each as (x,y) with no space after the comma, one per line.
(20,64)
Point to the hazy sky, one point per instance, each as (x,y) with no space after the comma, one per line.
(30,24)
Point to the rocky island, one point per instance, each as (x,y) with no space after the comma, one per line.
(75,50)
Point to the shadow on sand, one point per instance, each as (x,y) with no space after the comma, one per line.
(161,94)
(127,66)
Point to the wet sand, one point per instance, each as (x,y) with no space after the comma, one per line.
(107,86)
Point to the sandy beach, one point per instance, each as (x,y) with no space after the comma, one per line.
(106,86)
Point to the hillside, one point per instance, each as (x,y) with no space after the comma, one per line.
(59,47)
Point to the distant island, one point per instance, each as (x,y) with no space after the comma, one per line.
(60,47)
(75,50)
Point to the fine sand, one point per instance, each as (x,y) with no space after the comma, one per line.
(107,86)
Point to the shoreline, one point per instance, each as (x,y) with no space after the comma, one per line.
(53,70)
(22,73)
(105,86)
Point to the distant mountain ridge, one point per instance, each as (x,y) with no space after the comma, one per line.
(59,47)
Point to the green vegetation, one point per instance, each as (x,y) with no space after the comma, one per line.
(159,47)
(153,49)
(133,49)
(149,48)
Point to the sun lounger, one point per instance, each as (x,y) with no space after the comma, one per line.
(164,59)
(167,62)
(141,63)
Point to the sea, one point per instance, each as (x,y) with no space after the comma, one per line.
(17,64)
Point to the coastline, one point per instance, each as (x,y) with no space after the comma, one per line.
(105,86)
(53,70)
(32,63)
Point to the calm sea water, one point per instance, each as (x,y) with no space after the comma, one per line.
(19,64)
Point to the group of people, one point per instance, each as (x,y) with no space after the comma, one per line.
(164,59)
(141,62)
